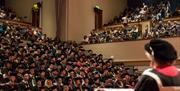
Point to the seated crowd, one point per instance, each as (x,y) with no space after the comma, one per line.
(159,29)
(114,34)
(156,13)
(162,29)
(30,61)
(144,12)
(7,13)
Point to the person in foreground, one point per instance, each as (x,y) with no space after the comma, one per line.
(163,75)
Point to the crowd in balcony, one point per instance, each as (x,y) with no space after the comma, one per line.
(9,14)
(161,29)
(158,29)
(144,12)
(123,33)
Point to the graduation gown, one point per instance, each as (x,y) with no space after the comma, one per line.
(148,83)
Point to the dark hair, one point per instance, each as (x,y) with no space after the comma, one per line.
(162,50)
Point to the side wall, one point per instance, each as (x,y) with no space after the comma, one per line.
(48,16)
(81,19)
(79,16)
(22,7)
(128,51)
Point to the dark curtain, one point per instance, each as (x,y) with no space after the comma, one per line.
(60,9)
(152,2)
(2,3)
(134,3)
(174,4)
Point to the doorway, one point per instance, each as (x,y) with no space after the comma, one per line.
(36,12)
(98,18)
(35,17)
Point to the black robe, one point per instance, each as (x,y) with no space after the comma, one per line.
(147,83)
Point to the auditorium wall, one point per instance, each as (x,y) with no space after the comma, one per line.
(81,19)
(47,18)
(131,51)
(21,7)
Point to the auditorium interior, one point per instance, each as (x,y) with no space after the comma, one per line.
(79,45)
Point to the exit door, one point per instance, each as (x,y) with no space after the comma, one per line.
(98,18)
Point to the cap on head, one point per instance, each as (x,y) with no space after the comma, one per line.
(161,50)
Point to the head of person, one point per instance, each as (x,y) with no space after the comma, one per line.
(26,76)
(49,82)
(160,52)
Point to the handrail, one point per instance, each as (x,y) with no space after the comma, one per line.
(18,23)
(125,41)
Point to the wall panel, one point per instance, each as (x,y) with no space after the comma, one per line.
(128,51)
(81,19)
